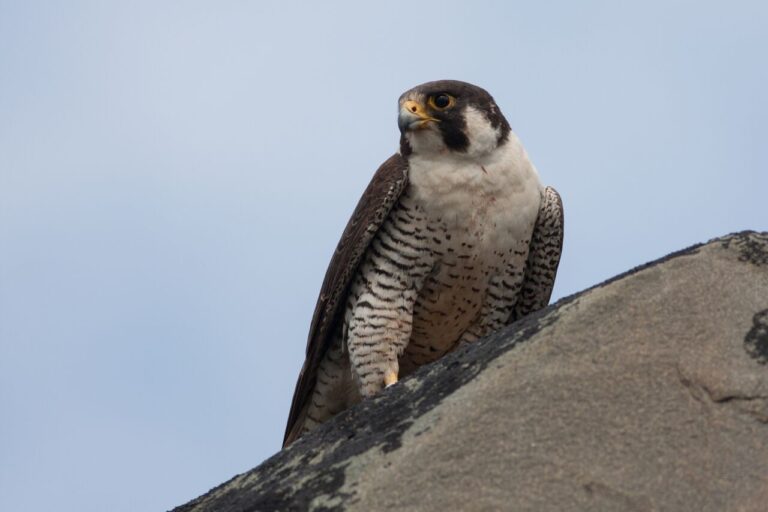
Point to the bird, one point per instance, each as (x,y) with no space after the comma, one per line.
(454,238)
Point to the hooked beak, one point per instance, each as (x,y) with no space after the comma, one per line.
(413,116)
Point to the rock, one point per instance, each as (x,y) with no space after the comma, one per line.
(647,392)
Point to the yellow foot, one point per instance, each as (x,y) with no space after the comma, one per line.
(390,378)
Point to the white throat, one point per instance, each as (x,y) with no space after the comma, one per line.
(457,186)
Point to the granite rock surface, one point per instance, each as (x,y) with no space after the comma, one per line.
(647,392)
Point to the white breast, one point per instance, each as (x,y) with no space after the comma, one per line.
(491,198)
(480,212)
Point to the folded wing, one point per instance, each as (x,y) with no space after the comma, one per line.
(543,256)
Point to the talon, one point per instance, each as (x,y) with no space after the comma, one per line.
(390,378)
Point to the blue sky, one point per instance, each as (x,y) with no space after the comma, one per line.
(174,177)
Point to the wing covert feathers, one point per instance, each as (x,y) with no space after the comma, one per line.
(543,256)
(379,197)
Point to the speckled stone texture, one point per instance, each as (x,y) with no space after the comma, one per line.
(647,392)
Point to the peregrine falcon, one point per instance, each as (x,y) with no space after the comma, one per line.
(454,238)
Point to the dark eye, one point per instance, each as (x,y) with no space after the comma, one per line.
(441,101)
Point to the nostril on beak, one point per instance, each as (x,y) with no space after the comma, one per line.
(413,108)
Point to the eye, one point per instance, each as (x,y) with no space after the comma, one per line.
(441,101)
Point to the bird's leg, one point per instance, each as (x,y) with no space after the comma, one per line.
(377,335)
(379,314)
(390,377)
(374,361)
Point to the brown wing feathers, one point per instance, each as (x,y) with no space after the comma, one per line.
(381,194)
(543,256)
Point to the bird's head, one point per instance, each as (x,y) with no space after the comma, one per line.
(448,116)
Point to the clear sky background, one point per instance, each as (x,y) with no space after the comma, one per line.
(174,177)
